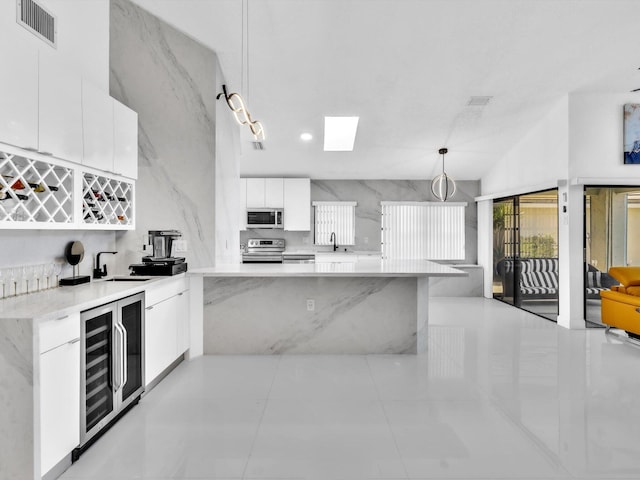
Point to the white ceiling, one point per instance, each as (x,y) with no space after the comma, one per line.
(408,69)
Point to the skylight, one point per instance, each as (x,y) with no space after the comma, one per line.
(340,133)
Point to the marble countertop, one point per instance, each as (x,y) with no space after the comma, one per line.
(363,268)
(62,301)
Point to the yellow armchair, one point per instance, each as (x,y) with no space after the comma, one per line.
(621,305)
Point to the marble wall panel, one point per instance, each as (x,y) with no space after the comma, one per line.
(369,194)
(170,80)
(269,315)
(32,247)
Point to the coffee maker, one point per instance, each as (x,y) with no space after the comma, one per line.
(161,261)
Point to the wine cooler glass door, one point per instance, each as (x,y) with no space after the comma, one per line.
(131,324)
(98,392)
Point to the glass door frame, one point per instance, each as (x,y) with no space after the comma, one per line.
(516,254)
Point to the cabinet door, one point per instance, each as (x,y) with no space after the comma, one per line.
(182,314)
(97,127)
(60,115)
(297,204)
(19,95)
(59,403)
(160,338)
(125,140)
(255,193)
(273,194)
(243,204)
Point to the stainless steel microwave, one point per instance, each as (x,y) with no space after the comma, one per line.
(265,218)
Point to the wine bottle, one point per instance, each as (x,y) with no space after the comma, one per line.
(19,196)
(37,187)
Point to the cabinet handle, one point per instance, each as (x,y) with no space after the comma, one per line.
(31,149)
(180,294)
(62,318)
(75,340)
(48,154)
(149,308)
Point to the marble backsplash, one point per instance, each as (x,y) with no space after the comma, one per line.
(170,80)
(369,194)
(32,247)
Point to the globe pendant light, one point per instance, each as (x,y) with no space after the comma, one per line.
(443,186)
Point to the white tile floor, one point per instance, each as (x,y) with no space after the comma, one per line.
(501,394)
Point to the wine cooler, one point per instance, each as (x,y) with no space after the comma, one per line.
(112,361)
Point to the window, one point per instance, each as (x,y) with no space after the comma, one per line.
(334,217)
(423,230)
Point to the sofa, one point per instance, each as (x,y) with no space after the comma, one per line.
(539,278)
(621,304)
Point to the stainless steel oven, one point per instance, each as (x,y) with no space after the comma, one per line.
(112,361)
(264,250)
(265,218)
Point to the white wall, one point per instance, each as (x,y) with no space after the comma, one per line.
(596,136)
(539,158)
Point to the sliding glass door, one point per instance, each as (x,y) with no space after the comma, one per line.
(612,230)
(525,252)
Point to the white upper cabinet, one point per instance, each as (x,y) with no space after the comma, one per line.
(297,204)
(125,136)
(273,193)
(97,127)
(255,192)
(265,193)
(19,95)
(60,110)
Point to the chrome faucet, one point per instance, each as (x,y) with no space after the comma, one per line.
(97,272)
(333,239)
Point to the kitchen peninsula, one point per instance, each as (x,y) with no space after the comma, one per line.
(370,306)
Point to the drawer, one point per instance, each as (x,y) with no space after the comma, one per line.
(54,333)
(157,293)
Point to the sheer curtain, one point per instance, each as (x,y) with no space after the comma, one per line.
(334,217)
(423,230)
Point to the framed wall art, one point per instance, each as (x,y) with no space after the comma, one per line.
(632,133)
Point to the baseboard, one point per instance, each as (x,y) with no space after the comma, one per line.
(151,385)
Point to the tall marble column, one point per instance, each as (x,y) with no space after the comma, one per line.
(170,80)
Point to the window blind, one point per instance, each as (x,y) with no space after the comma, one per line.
(423,230)
(338,217)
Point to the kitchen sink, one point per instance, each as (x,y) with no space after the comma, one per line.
(127,279)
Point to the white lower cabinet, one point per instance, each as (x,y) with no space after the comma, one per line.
(166,327)
(59,389)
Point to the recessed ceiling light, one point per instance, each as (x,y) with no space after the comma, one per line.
(306,137)
(340,133)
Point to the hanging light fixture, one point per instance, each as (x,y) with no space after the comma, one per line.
(234,101)
(241,113)
(443,186)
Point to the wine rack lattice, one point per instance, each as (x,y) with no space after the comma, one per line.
(34,190)
(106,201)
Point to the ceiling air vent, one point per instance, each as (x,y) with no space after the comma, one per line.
(37,20)
(479,101)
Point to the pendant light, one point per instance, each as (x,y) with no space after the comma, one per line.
(241,113)
(443,186)
(234,100)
